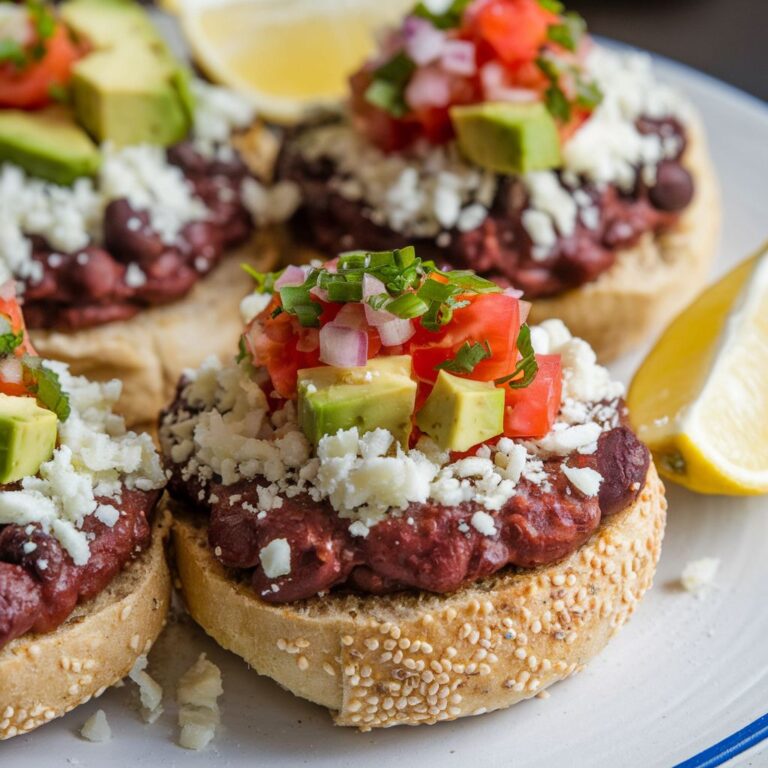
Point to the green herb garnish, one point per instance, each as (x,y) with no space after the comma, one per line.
(9,341)
(568,32)
(467,357)
(527,367)
(45,385)
(387,89)
(555,6)
(448,19)
(12,52)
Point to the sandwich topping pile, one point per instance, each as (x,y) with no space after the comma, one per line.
(389,425)
(496,135)
(119,184)
(77,490)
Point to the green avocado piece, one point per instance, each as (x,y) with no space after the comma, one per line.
(129,89)
(47,144)
(381,394)
(508,138)
(460,413)
(27,437)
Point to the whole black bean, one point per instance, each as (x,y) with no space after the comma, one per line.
(673,189)
(128,234)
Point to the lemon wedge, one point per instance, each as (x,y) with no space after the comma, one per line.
(291,56)
(700,398)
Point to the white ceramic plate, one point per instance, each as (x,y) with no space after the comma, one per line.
(681,676)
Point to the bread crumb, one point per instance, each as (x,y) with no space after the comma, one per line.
(96,728)
(699,574)
(150,692)
(198,692)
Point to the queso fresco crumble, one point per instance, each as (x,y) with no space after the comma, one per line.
(225,430)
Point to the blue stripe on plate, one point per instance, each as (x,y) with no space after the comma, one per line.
(728,748)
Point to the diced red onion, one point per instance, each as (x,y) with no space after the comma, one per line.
(525,309)
(515,293)
(292,275)
(319,293)
(396,332)
(430,87)
(496,88)
(424,43)
(351,315)
(372,286)
(343,347)
(11,370)
(309,340)
(458,57)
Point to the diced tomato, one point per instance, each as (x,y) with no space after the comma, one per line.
(30,86)
(531,411)
(283,347)
(492,318)
(11,310)
(516,29)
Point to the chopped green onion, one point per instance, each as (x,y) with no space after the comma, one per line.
(265,281)
(555,6)
(343,290)
(308,314)
(527,367)
(387,89)
(9,341)
(434,290)
(568,32)
(468,280)
(407,306)
(467,357)
(450,18)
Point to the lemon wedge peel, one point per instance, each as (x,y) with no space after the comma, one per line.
(700,399)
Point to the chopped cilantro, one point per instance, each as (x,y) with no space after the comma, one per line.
(12,52)
(45,385)
(555,6)
(265,281)
(387,89)
(242,350)
(557,103)
(10,341)
(527,367)
(569,31)
(467,357)
(450,18)
(588,94)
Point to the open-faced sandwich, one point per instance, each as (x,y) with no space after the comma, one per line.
(121,192)
(401,501)
(496,135)
(84,587)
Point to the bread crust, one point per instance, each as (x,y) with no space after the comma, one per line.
(43,677)
(423,658)
(150,351)
(653,280)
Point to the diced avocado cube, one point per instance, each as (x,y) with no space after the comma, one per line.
(508,138)
(108,23)
(47,144)
(460,413)
(130,95)
(27,437)
(381,395)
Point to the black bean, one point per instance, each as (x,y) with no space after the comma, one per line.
(673,189)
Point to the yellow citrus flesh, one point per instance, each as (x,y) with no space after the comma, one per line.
(291,56)
(700,398)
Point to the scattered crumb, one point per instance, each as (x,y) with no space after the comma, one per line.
(150,693)
(197,692)
(96,728)
(543,695)
(699,574)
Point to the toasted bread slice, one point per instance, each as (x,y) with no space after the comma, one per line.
(415,657)
(45,676)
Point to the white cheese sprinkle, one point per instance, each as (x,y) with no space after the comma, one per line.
(483,523)
(584,479)
(96,728)
(275,558)
(198,692)
(699,574)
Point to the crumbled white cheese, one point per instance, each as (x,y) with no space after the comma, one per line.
(95,457)
(483,523)
(150,691)
(198,692)
(584,479)
(699,574)
(219,112)
(96,728)
(275,558)
(419,192)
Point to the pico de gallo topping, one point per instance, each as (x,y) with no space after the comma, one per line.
(469,52)
(364,305)
(37,53)
(22,372)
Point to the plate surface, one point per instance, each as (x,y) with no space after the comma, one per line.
(682,675)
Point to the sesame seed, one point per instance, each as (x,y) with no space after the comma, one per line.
(302,663)
(347,640)
(329,669)
(558,579)
(385,657)
(371,643)
(521,653)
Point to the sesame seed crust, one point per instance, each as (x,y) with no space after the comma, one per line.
(45,676)
(412,658)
